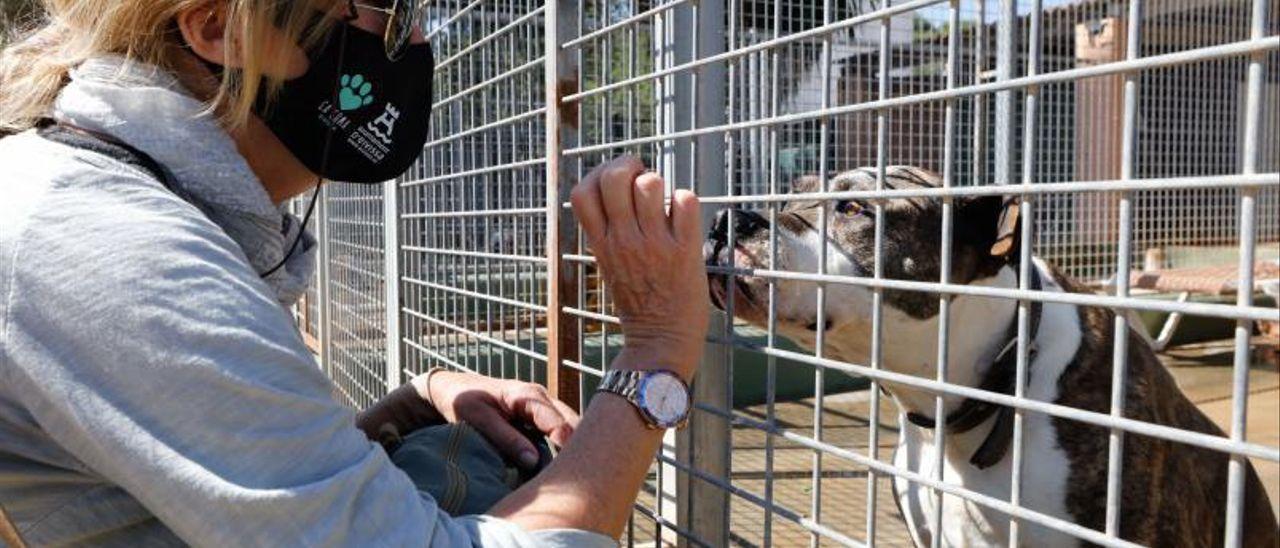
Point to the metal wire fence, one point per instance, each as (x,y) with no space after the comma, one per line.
(1122,127)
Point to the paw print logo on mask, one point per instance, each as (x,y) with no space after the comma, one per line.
(355,92)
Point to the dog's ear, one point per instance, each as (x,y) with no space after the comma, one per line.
(1008,228)
(991,223)
(807,183)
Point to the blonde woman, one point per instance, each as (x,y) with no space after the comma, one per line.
(153,390)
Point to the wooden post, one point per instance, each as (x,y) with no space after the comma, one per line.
(1098,132)
(561,78)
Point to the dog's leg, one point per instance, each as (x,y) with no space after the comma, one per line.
(910,496)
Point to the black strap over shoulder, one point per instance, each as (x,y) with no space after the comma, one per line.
(105,145)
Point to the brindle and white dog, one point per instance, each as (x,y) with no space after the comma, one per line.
(1172,494)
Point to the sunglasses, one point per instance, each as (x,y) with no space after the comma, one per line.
(403,17)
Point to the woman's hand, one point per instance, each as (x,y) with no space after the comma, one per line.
(650,261)
(495,406)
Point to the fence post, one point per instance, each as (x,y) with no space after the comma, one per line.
(561,78)
(322,275)
(1248,214)
(391,278)
(699,98)
(1006,48)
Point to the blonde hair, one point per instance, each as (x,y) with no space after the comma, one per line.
(34,68)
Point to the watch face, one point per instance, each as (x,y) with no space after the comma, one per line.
(665,398)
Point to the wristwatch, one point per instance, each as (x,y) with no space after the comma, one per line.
(660,396)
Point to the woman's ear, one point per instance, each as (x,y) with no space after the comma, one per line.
(204,29)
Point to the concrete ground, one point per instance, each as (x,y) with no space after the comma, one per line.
(1202,370)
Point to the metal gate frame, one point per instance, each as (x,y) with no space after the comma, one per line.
(694,141)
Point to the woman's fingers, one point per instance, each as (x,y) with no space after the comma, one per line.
(651,261)
(561,437)
(616,180)
(530,404)
(649,203)
(509,441)
(686,219)
(589,208)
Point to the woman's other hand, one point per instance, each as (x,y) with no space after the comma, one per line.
(651,262)
(494,406)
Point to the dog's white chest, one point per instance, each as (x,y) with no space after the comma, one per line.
(965,523)
(1045,466)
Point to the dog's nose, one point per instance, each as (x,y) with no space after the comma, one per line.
(745,224)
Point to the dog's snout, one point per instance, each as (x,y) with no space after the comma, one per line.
(745,224)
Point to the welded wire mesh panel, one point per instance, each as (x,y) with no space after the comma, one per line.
(473,209)
(1190,125)
(1026,94)
(357,330)
(1132,135)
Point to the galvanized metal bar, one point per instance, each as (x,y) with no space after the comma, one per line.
(1006,41)
(706,442)
(666,524)
(820,338)
(488,84)
(626,22)
(474,254)
(498,33)
(672,488)
(476,336)
(1248,221)
(322,280)
(1232,49)
(771,365)
(1026,214)
(533,162)
(583,368)
(809,524)
(476,213)
(811,34)
(1037,187)
(508,122)
(1200,309)
(1216,443)
(474,294)
(453,19)
(1120,350)
(944,273)
(979,101)
(391,279)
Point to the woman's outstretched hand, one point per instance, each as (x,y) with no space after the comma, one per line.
(651,262)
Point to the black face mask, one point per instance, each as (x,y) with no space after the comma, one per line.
(355,115)
(376,108)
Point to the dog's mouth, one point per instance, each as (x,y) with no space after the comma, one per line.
(744,295)
(726,288)
(719,285)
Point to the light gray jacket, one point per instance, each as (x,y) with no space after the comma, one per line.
(153,390)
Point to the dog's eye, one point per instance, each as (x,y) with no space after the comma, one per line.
(852,208)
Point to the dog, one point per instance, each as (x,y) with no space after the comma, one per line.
(1171,494)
